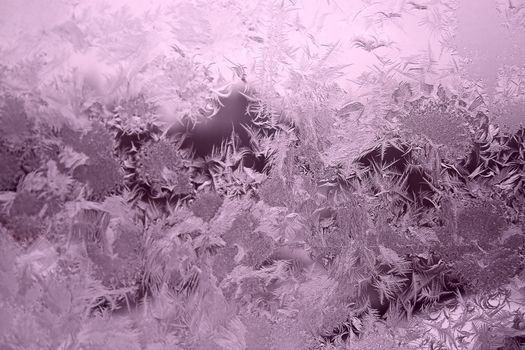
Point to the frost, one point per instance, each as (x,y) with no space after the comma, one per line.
(442,122)
(161,165)
(10,172)
(376,202)
(15,124)
(207,205)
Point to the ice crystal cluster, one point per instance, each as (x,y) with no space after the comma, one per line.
(232,175)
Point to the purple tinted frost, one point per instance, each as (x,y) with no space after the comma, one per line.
(215,175)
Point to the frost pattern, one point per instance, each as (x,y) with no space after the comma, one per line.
(377,200)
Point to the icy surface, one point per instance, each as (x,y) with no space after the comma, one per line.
(277,174)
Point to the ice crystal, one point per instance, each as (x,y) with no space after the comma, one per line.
(106,331)
(441,122)
(306,160)
(31,157)
(376,341)
(124,267)
(481,223)
(509,98)
(258,248)
(241,229)
(274,192)
(15,125)
(181,80)
(25,228)
(224,262)
(134,116)
(97,142)
(10,171)
(206,205)
(27,203)
(161,164)
(103,176)
(489,273)
(387,191)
